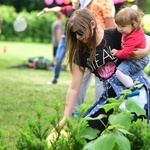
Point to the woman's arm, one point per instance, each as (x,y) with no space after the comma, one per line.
(73,90)
(110,23)
(109,14)
(72,93)
(139,53)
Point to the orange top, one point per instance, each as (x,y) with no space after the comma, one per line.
(102,9)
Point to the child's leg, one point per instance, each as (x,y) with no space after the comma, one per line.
(124,79)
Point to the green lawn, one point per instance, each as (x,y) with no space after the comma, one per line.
(23,90)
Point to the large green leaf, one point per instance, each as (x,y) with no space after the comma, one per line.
(96,118)
(122,142)
(105,142)
(123,119)
(109,106)
(89,146)
(89,133)
(124,131)
(133,106)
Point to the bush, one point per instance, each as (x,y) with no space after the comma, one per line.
(121,131)
(38,30)
(33,138)
(141,132)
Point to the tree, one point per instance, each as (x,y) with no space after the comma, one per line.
(141,4)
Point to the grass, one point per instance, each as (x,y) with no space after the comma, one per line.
(22,91)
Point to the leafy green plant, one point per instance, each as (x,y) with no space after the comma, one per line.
(72,139)
(141,132)
(36,138)
(121,133)
(119,123)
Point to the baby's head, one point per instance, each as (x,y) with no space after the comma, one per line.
(129,16)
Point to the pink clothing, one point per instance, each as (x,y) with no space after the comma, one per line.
(119,1)
(134,40)
(66,9)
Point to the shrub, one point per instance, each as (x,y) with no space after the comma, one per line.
(38,29)
(121,133)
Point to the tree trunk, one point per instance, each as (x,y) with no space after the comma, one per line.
(141,4)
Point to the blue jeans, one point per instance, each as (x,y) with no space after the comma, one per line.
(85,83)
(130,67)
(61,51)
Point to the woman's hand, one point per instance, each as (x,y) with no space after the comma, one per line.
(72,95)
(137,54)
(60,124)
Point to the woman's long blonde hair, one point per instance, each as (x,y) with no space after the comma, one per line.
(80,19)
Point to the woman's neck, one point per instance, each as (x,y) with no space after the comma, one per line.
(99,37)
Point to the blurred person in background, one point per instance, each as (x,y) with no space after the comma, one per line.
(0,24)
(57,31)
(61,50)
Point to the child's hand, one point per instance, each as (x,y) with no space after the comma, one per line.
(114,51)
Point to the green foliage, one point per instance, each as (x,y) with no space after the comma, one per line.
(38,29)
(120,133)
(23,89)
(75,130)
(3,145)
(119,125)
(35,136)
(147,68)
(8,15)
(141,132)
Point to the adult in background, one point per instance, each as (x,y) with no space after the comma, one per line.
(57,31)
(1,20)
(61,50)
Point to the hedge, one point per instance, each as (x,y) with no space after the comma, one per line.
(38,29)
